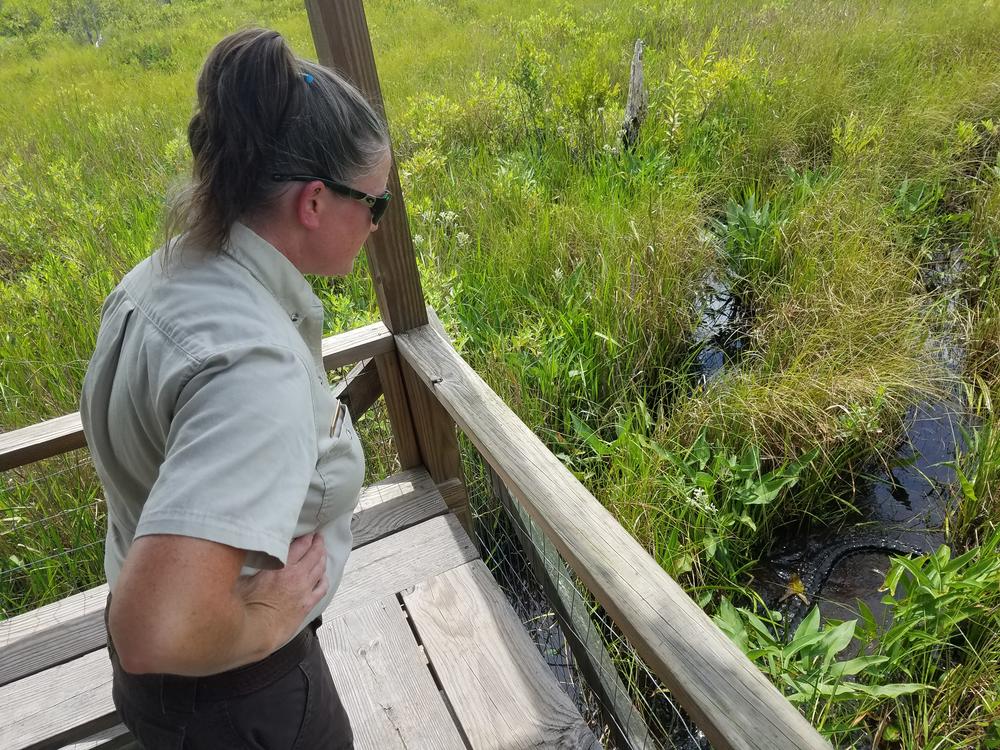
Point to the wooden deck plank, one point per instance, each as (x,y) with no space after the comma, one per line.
(383,680)
(52,634)
(73,700)
(402,560)
(503,693)
(62,704)
(116,738)
(402,500)
(73,626)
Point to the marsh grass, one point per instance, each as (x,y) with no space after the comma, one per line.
(52,532)
(817,157)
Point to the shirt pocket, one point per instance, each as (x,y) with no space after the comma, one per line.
(341,466)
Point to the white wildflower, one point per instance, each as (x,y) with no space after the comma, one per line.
(462,239)
(698,499)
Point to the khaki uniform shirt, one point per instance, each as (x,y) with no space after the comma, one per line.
(208,413)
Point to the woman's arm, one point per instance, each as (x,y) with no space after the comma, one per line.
(180,606)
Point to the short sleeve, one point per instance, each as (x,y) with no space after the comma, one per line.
(240,452)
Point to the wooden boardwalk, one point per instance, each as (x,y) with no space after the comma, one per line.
(426,651)
(423,646)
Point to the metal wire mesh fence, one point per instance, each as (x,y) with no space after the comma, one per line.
(51,531)
(620,698)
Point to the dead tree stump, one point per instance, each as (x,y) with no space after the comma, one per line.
(638,100)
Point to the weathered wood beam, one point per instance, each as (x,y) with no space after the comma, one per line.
(728,697)
(502,694)
(340,34)
(352,346)
(360,388)
(638,100)
(404,436)
(43,440)
(573,614)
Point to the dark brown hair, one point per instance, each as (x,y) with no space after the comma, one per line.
(262,110)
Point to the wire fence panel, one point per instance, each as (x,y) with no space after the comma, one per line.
(619,697)
(52,525)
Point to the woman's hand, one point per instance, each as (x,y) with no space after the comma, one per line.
(287,595)
(181,607)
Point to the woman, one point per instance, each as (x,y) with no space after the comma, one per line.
(230,470)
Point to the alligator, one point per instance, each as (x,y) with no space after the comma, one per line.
(804,589)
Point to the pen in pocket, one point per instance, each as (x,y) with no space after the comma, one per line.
(338,420)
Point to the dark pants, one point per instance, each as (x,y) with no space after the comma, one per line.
(285,701)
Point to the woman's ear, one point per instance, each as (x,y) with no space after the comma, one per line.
(307,204)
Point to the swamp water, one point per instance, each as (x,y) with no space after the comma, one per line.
(901,506)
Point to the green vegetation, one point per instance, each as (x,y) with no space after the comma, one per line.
(816,159)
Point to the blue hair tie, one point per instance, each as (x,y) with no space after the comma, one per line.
(309,77)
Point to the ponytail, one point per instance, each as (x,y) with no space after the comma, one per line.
(261,110)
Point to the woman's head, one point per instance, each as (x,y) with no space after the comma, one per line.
(261,112)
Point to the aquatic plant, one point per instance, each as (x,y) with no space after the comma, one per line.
(896,680)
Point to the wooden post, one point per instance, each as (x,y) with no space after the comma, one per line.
(340,33)
(403,434)
(638,100)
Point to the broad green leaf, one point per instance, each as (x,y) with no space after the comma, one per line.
(589,436)
(809,624)
(838,638)
(701,452)
(711,543)
(704,480)
(893,690)
(800,642)
(854,666)
(892,579)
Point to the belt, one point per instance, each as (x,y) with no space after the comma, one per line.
(232,683)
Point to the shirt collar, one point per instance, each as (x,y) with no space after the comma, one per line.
(274,271)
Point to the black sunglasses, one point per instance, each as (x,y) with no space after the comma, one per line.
(377,204)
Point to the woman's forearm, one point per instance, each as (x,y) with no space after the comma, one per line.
(181,607)
(227,635)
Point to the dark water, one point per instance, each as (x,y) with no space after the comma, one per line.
(723,332)
(905,501)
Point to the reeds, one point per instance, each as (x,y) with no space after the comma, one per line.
(813,158)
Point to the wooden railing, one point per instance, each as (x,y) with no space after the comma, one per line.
(428,389)
(729,698)
(64,434)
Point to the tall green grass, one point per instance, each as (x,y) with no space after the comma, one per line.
(814,157)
